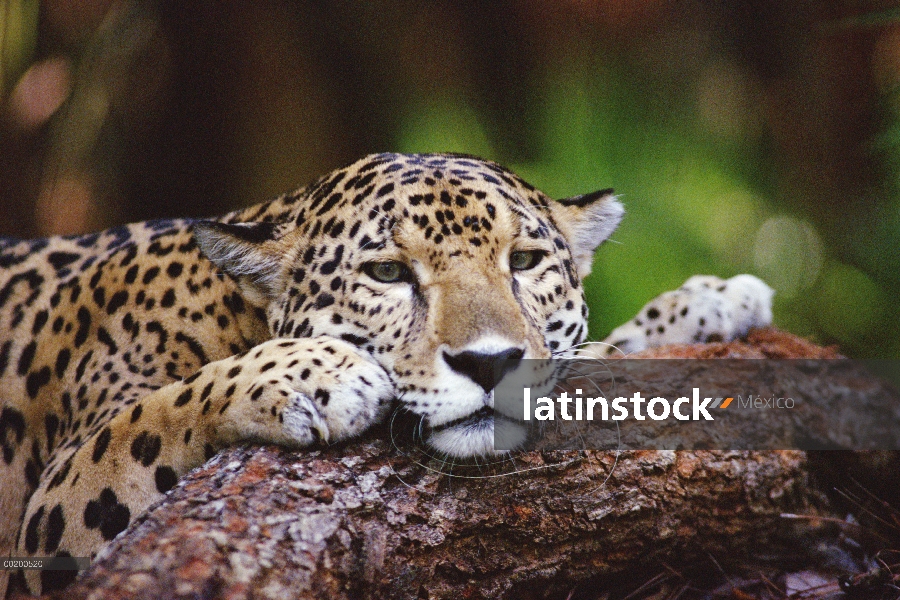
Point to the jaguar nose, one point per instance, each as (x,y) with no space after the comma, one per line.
(485,369)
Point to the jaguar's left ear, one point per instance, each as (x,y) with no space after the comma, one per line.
(249,252)
(587,221)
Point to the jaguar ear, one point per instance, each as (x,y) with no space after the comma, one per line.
(248,252)
(587,221)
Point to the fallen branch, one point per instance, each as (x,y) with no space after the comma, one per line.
(371,521)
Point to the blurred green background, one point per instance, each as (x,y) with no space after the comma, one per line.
(759,137)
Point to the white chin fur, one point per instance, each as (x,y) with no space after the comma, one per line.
(464,442)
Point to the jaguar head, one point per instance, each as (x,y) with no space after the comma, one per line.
(439,266)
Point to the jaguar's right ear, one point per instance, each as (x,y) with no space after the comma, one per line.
(248,252)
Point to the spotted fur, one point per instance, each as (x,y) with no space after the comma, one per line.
(131,356)
(704,309)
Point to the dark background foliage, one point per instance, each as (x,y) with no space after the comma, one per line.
(759,136)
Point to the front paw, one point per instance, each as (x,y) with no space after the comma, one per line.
(300,391)
(342,386)
(704,309)
(303,421)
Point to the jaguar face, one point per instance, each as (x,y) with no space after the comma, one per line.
(439,266)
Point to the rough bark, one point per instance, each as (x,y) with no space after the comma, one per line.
(369,520)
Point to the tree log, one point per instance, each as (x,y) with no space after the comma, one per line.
(372,520)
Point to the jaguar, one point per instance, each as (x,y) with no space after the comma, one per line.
(129,357)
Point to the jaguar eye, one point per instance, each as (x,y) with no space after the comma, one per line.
(522,260)
(388,272)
